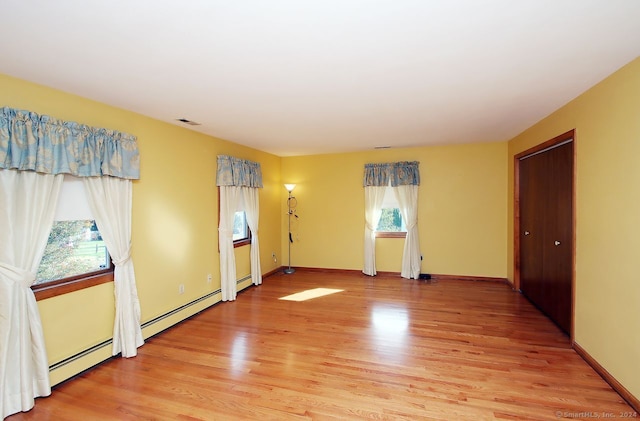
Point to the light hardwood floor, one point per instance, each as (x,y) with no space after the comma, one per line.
(384,348)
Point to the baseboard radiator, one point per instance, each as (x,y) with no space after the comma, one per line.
(101,352)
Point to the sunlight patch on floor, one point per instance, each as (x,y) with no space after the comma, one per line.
(310,294)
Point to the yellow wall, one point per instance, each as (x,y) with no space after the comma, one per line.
(607,295)
(175,217)
(462,209)
(466,196)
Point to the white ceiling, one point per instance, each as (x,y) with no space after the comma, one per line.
(297,77)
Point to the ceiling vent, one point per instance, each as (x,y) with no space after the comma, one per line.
(189,122)
(382,147)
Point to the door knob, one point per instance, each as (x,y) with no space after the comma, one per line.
(557,243)
(526,233)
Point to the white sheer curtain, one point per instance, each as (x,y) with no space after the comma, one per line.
(230,197)
(404,178)
(407,196)
(27,205)
(238,180)
(373,200)
(252,211)
(43,148)
(110,200)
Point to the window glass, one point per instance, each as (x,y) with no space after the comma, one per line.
(240,227)
(391,221)
(74,248)
(391,217)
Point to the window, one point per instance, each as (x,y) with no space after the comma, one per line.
(391,221)
(241,230)
(75,256)
(74,248)
(391,224)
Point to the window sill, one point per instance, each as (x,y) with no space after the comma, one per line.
(241,243)
(53,289)
(391,235)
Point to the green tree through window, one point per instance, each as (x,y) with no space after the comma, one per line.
(390,221)
(73,248)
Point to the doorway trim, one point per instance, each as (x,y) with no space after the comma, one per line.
(549,144)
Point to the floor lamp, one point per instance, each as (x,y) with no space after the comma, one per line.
(291,209)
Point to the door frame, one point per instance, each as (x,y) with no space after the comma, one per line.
(571,134)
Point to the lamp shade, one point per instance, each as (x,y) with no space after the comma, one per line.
(289,187)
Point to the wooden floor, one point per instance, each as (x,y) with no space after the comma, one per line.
(384,348)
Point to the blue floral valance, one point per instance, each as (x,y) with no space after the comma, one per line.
(392,173)
(238,172)
(40,143)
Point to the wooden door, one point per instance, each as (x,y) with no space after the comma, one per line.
(558,236)
(546,231)
(531,194)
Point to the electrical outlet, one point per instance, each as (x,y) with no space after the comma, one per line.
(181,289)
(273,255)
(209,278)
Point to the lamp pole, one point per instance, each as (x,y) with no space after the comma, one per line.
(289,187)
